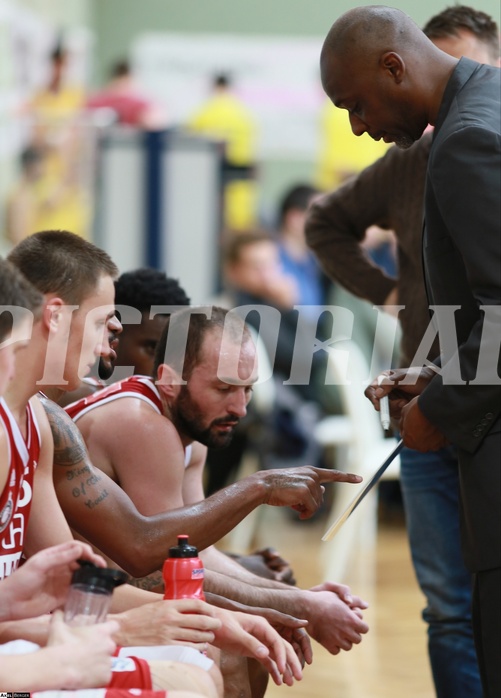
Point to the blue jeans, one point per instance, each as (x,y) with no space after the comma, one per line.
(430,486)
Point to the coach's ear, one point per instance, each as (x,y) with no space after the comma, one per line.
(168,381)
(393,65)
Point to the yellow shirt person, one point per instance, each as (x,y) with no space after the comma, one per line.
(225,118)
(41,201)
(342,154)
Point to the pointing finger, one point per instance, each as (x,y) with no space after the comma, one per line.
(325,475)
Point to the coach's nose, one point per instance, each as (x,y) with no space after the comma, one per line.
(358,126)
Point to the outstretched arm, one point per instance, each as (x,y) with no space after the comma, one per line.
(98,509)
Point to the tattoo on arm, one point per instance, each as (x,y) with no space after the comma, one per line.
(69,446)
(153,582)
(70,452)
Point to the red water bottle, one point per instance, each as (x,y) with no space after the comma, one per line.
(183,572)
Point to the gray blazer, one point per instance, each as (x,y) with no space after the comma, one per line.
(462,262)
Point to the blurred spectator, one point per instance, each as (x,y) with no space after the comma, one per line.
(224,117)
(55,185)
(253,271)
(54,110)
(40,201)
(130,105)
(59,100)
(255,277)
(296,258)
(342,154)
(23,202)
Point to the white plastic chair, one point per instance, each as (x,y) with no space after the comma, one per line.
(367,449)
(330,432)
(241,537)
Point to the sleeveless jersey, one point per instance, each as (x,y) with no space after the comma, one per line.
(94,382)
(15,500)
(141,387)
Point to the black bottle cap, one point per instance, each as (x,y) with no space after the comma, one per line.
(97,579)
(183,548)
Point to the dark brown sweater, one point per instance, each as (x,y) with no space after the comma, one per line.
(390,194)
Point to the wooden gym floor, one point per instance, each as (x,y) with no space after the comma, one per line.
(391,661)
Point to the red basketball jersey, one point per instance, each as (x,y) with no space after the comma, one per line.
(140,387)
(15,500)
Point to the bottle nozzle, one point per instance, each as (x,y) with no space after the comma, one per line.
(183,548)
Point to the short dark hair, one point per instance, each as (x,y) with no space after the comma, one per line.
(297,197)
(56,261)
(59,52)
(120,68)
(30,155)
(239,241)
(221,80)
(17,291)
(452,19)
(199,326)
(145,287)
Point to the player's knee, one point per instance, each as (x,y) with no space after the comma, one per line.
(180,676)
(258,678)
(235,673)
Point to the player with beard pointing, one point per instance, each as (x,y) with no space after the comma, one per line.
(150,436)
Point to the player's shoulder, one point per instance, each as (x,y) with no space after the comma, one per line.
(130,418)
(198,454)
(116,402)
(40,413)
(129,407)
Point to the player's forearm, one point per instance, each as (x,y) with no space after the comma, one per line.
(214,559)
(284,598)
(32,629)
(49,668)
(208,521)
(141,544)
(127,596)
(37,671)
(14,609)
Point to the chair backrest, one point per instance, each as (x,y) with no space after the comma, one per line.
(347,367)
(264,393)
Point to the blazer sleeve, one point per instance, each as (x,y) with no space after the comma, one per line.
(466,181)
